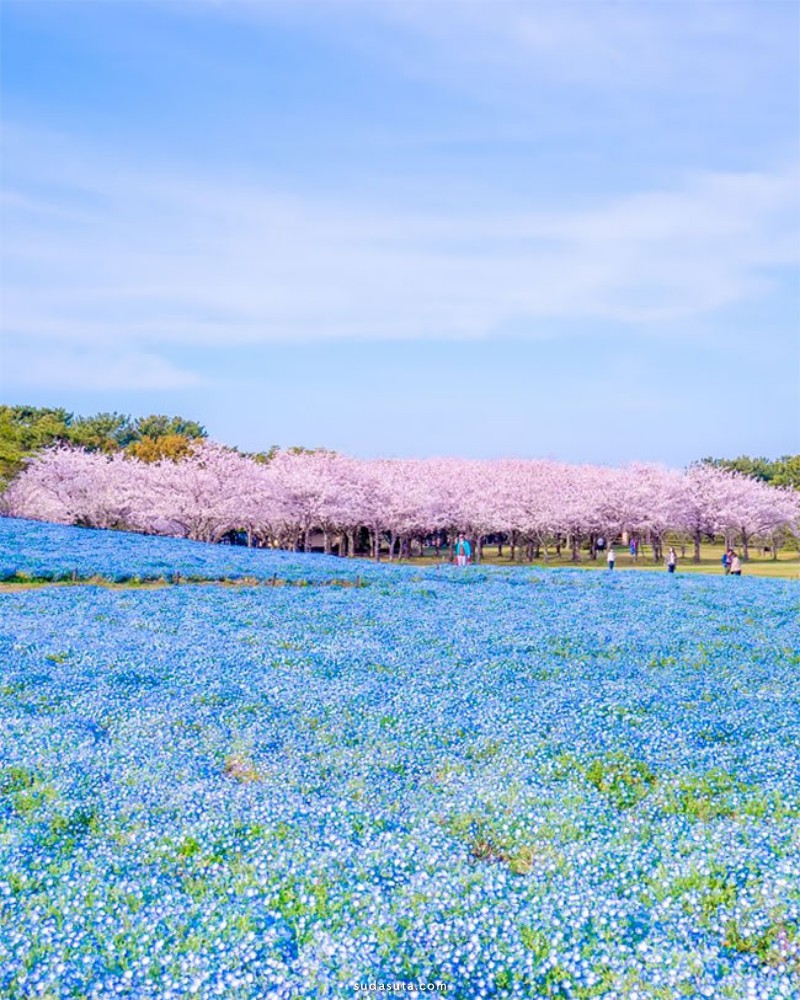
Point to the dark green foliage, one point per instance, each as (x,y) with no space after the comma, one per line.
(102,432)
(157,426)
(26,792)
(64,832)
(783,471)
(16,779)
(24,430)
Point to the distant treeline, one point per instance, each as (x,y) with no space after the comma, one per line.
(26,430)
(784,471)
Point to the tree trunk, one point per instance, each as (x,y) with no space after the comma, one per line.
(697,537)
(745,546)
(576,555)
(326,542)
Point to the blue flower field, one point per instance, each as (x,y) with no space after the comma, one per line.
(520,783)
(41,551)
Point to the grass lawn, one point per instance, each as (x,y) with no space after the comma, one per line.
(786,565)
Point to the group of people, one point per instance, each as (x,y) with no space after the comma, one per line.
(672,557)
(731,562)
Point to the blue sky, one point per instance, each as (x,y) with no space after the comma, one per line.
(567,230)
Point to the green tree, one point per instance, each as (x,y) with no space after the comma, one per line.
(264,457)
(103,432)
(157,425)
(788,472)
(25,429)
(783,471)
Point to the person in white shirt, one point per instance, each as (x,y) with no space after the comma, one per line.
(611,557)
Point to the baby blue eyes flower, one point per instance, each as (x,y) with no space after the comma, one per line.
(280,792)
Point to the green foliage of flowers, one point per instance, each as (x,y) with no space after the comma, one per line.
(707,797)
(623,780)
(774,946)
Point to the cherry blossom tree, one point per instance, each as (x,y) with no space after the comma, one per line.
(68,485)
(206,495)
(753,510)
(535,505)
(703,499)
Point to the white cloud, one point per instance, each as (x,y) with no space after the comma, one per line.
(95,255)
(681,45)
(92,367)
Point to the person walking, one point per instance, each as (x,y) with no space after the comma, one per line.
(672,560)
(611,558)
(736,564)
(463,551)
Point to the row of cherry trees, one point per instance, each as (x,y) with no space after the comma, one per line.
(535,506)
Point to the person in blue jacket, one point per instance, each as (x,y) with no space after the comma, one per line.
(463,551)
